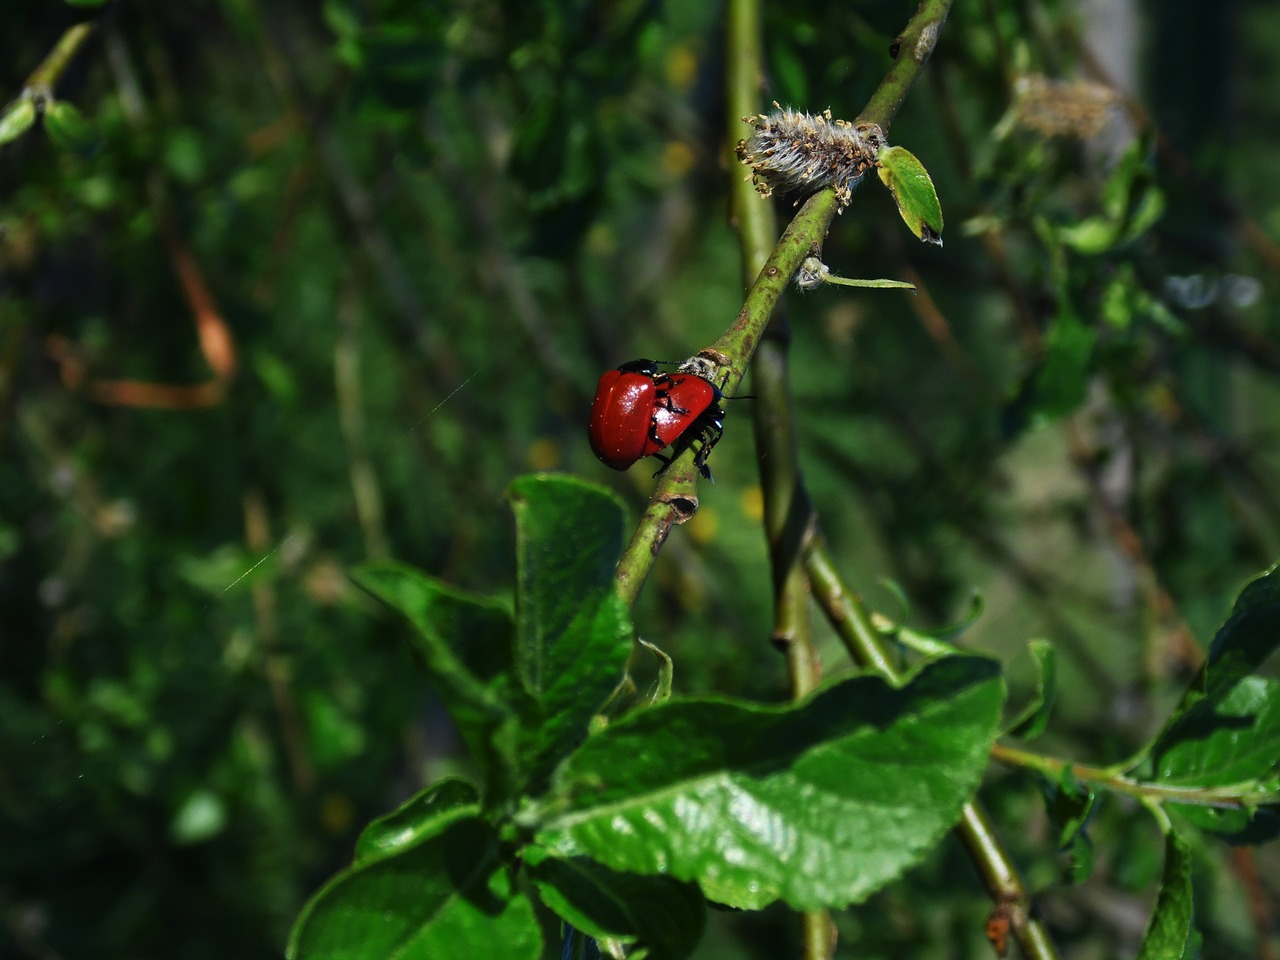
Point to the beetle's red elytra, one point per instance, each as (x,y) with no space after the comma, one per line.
(638,412)
(621,428)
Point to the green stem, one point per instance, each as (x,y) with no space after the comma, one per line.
(755,221)
(868,648)
(1004,884)
(911,50)
(675,498)
(790,519)
(773,419)
(819,935)
(46,76)
(845,609)
(1229,797)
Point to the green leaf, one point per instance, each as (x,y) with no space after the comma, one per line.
(1061,382)
(573,631)
(85,3)
(1057,386)
(68,128)
(1080,858)
(954,631)
(1034,717)
(1091,236)
(17,119)
(928,643)
(1225,732)
(1069,804)
(414,818)
(873,284)
(1234,740)
(1252,826)
(465,642)
(913,191)
(1130,196)
(1144,214)
(819,803)
(1249,636)
(1131,205)
(657,912)
(813,273)
(666,673)
(1171,933)
(1124,303)
(445,894)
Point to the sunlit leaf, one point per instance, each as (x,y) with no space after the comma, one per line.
(1235,739)
(17,119)
(414,818)
(1232,742)
(913,191)
(1092,235)
(817,804)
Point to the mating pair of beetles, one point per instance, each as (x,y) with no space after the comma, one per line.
(639,412)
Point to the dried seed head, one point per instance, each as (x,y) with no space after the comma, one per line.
(794,152)
(1079,109)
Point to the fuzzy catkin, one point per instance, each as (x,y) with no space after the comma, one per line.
(795,152)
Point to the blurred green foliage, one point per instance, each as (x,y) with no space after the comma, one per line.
(428,228)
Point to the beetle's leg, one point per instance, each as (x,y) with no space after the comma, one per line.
(663,396)
(706,439)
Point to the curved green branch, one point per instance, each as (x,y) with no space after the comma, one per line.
(1226,798)
(46,76)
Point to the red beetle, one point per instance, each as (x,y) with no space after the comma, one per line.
(621,428)
(638,412)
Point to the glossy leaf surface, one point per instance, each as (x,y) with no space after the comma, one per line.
(913,191)
(414,818)
(447,894)
(815,804)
